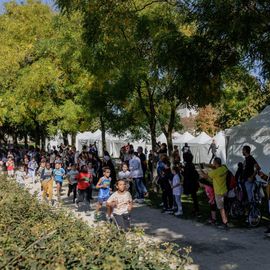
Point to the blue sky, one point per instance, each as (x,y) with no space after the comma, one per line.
(49,2)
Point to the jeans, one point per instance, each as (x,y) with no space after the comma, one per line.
(32,175)
(249,189)
(140,187)
(212,158)
(177,199)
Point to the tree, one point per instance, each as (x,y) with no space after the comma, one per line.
(148,44)
(243,97)
(206,120)
(41,79)
(241,25)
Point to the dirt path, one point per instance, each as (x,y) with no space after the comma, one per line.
(212,248)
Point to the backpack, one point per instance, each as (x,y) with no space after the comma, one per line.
(230,181)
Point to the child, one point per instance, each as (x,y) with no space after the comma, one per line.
(25,163)
(91,170)
(125,175)
(120,204)
(104,190)
(40,169)
(72,181)
(58,175)
(20,176)
(177,188)
(32,166)
(84,184)
(10,167)
(46,179)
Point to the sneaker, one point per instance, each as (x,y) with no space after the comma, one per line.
(136,200)
(97,216)
(169,211)
(77,204)
(267,231)
(108,218)
(224,226)
(178,213)
(146,194)
(140,201)
(212,222)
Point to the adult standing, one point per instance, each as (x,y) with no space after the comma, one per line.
(213,148)
(219,175)
(142,157)
(186,151)
(176,155)
(136,172)
(191,178)
(250,170)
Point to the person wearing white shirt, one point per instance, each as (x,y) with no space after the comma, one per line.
(177,190)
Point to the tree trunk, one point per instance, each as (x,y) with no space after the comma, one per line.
(168,132)
(169,142)
(153,134)
(15,138)
(25,140)
(37,135)
(73,139)
(103,134)
(65,138)
(43,139)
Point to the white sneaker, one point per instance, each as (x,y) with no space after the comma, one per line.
(179,213)
(140,201)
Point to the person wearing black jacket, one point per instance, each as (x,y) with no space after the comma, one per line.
(165,182)
(191,181)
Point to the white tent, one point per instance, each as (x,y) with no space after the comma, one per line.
(183,138)
(199,147)
(220,142)
(203,138)
(113,143)
(256,134)
(162,138)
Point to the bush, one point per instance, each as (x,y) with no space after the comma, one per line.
(34,237)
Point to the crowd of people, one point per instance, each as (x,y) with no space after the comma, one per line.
(118,187)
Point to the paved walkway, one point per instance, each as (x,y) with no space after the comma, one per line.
(212,248)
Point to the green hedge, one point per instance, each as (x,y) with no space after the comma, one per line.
(34,237)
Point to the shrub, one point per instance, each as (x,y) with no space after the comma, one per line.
(34,237)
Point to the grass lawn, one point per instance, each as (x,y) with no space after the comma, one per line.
(155,200)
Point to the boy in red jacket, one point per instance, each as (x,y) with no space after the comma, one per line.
(84,187)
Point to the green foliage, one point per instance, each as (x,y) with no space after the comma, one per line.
(243,97)
(242,25)
(34,237)
(42,78)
